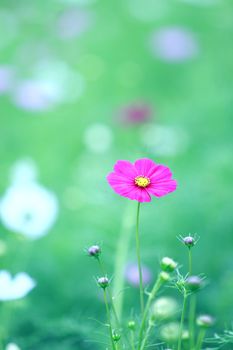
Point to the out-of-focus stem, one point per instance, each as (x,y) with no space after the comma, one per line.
(132,339)
(146,336)
(139,259)
(182,321)
(109,319)
(102,269)
(192,311)
(190,261)
(200,339)
(155,289)
(192,305)
(121,258)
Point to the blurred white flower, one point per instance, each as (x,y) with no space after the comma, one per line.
(17,287)
(164,140)
(174,44)
(51,83)
(164,307)
(29,209)
(23,171)
(98,138)
(12,346)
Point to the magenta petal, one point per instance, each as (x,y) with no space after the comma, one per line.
(160,172)
(141,195)
(115,178)
(126,188)
(144,166)
(162,188)
(125,168)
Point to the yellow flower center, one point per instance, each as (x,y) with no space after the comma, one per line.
(142,181)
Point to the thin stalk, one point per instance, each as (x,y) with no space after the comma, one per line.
(139,259)
(132,340)
(182,322)
(200,339)
(146,335)
(192,312)
(109,319)
(121,257)
(190,261)
(155,289)
(102,269)
(192,305)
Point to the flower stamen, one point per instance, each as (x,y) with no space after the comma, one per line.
(142,181)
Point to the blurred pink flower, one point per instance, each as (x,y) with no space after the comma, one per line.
(142,179)
(174,44)
(136,113)
(132,274)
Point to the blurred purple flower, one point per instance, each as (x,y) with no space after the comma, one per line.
(132,274)
(174,44)
(72,23)
(6,78)
(33,95)
(135,113)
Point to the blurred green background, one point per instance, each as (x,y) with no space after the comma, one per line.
(84,83)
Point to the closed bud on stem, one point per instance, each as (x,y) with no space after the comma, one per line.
(116,336)
(193,283)
(205,321)
(189,241)
(168,264)
(164,276)
(103,282)
(131,325)
(94,251)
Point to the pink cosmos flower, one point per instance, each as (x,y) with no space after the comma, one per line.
(142,179)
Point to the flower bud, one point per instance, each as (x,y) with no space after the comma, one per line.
(189,241)
(103,282)
(164,308)
(94,251)
(193,283)
(205,321)
(164,276)
(168,264)
(116,336)
(131,325)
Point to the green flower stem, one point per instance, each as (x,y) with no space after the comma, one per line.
(147,334)
(192,312)
(102,269)
(121,257)
(200,339)
(139,259)
(192,305)
(190,261)
(182,321)
(109,319)
(155,289)
(132,339)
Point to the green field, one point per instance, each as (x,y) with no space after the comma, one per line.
(68,71)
